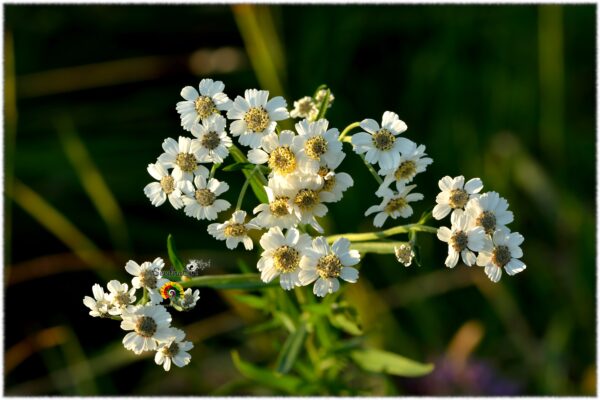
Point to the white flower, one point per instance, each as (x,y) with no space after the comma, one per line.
(305,108)
(234,231)
(149,325)
(489,211)
(412,162)
(463,239)
(100,304)
(279,212)
(282,256)
(212,138)
(382,145)
(148,276)
(255,116)
(326,264)
(197,106)
(394,204)
(202,203)
(174,351)
(455,194)
(404,254)
(317,146)
(321,96)
(183,157)
(166,187)
(277,152)
(307,199)
(334,184)
(502,251)
(120,296)
(190,298)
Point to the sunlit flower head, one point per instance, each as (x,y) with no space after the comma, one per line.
(334,184)
(183,156)
(174,351)
(394,204)
(277,152)
(412,162)
(201,104)
(502,251)
(120,296)
(202,202)
(166,187)
(317,146)
(234,231)
(149,325)
(305,108)
(279,211)
(212,138)
(147,276)
(100,304)
(463,239)
(490,211)
(455,194)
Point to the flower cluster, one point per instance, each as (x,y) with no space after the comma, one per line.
(478,225)
(147,319)
(399,160)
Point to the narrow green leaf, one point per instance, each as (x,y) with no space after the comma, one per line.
(285,383)
(231,281)
(257,182)
(257,302)
(290,350)
(345,317)
(172,250)
(321,87)
(239,166)
(375,360)
(323,109)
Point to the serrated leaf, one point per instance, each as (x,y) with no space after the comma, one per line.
(173,256)
(380,361)
(290,350)
(285,383)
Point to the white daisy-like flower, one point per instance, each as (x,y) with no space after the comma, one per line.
(100,304)
(199,106)
(404,254)
(334,184)
(502,251)
(234,231)
(317,146)
(255,116)
(279,211)
(183,156)
(149,325)
(455,194)
(166,187)
(282,256)
(121,297)
(305,108)
(190,298)
(325,265)
(321,96)
(202,203)
(175,351)
(277,152)
(382,144)
(307,199)
(463,239)
(148,276)
(412,162)
(394,204)
(213,139)
(490,211)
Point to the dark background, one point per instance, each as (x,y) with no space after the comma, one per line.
(505,93)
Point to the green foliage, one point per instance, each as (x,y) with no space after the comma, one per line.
(374,360)
(174,257)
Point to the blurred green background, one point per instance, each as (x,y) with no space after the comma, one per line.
(505,93)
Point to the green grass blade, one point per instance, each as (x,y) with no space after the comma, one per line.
(290,350)
(374,360)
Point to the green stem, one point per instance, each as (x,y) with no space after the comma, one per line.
(377,247)
(348,129)
(367,236)
(372,170)
(214,169)
(243,191)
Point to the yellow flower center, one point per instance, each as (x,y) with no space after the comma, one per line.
(186,162)
(306,199)
(459,241)
(329,266)
(279,206)
(286,259)
(501,256)
(458,198)
(205,197)
(282,160)
(148,279)
(205,107)
(167,183)
(257,119)
(210,141)
(328,183)
(235,230)
(171,350)
(315,147)
(395,205)
(383,140)
(406,170)
(145,326)
(487,220)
